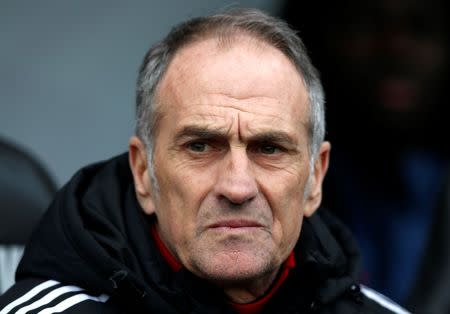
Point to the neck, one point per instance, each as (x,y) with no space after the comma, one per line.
(251,291)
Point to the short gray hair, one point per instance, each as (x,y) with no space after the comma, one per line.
(223,26)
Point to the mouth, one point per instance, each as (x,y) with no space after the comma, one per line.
(235,224)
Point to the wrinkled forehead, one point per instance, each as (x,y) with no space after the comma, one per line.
(214,59)
(244,67)
(228,37)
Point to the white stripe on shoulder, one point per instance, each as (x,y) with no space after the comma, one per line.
(30,294)
(49,297)
(383,300)
(78,298)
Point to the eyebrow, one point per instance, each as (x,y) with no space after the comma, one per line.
(199,131)
(205,132)
(273,137)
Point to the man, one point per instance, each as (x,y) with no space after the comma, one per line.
(216,211)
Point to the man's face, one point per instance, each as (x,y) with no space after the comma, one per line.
(231,160)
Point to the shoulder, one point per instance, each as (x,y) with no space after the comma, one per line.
(377,303)
(50,296)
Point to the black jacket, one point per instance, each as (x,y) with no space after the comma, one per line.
(96,236)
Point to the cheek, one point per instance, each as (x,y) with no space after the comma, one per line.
(287,223)
(181,194)
(285,187)
(285,194)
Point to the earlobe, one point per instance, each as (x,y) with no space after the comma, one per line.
(320,170)
(139,167)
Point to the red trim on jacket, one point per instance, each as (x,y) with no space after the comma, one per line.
(247,308)
(174,264)
(256,306)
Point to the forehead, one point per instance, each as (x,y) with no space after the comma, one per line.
(246,74)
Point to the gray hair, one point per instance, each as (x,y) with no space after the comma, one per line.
(223,26)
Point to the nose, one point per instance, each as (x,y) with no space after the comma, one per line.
(236,182)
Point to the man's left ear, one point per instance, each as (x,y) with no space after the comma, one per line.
(139,167)
(315,189)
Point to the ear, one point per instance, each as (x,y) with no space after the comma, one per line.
(314,198)
(139,167)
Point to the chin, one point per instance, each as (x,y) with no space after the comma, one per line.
(234,266)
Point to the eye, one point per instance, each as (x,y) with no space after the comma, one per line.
(268,149)
(198,147)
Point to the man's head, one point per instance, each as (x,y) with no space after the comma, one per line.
(230,130)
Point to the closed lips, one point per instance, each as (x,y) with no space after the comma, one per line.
(236,224)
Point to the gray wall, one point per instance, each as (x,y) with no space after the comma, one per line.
(68,68)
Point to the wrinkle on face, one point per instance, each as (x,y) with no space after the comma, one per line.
(184,75)
(234,103)
(229,117)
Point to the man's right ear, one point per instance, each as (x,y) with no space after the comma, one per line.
(139,166)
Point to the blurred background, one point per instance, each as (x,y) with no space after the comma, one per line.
(385,70)
(67,76)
